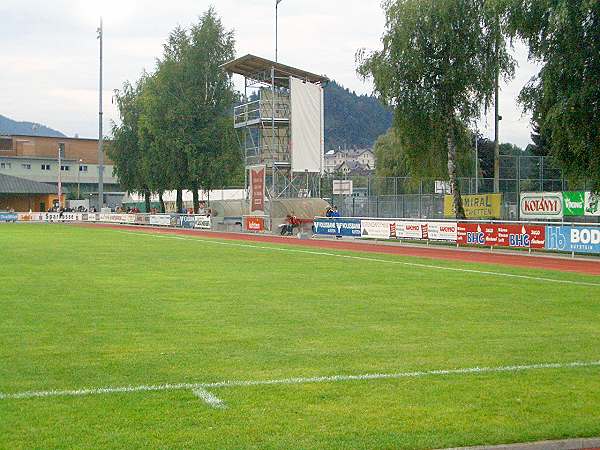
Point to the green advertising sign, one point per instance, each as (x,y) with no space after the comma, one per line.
(573,203)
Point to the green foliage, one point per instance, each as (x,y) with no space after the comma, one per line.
(353,121)
(390,157)
(437,69)
(184,126)
(565,36)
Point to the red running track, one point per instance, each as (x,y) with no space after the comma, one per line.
(474,256)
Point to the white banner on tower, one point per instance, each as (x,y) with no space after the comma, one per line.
(307,142)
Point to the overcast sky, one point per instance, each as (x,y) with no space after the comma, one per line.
(49,51)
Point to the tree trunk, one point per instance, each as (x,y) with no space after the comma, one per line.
(458,208)
(196,199)
(179,202)
(147,200)
(162,202)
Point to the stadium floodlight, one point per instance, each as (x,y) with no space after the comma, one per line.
(277,2)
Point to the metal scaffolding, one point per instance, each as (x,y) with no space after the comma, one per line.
(264,120)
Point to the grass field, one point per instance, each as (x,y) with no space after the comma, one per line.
(91,308)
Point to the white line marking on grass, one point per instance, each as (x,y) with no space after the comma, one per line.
(365,258)
(208,398)
(199,389)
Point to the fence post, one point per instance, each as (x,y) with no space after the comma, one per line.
(420,197)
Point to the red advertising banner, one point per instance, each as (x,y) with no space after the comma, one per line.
(257,189)
(254,223)
(502,235)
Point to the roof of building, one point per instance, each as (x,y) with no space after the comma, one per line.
(251,65)
(354,166)
(16,185)
(349,152)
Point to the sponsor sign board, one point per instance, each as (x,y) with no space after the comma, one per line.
(203,222)
(573,239)
(26,217)
(541,205)
(160,219)
(477,206)
(8,217)
(343,187)
(409,230)
(377,229)
(338,227)
(501,235)
(442,231)
(574,203)
(186,221)
(592,204)
(257,189)
(254,224)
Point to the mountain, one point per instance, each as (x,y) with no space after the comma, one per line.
(353,120)
(9,126)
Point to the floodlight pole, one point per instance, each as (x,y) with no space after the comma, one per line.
(476,162)
(61,149)
(100,137)
(276,25)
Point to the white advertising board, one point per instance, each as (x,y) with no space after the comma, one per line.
(442,231)
(541,205)
(160,219)
(307,143)
(409,230)
(377,229)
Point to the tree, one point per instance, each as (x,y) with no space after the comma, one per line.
(437,69)
(390,156)
(126,149)
(565,96)
(209,97)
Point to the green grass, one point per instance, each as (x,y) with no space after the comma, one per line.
(82,307)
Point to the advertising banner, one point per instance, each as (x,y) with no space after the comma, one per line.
(573,203)
(256,224)
(26,217)
(160,219)
(442,231)
(203,222)
(477,206)
(8,217)
(186,221)
(592,204)
(409,230)
(501,235)
(257,189)
(338,227)
(377,229)
(573,239)
(541,205)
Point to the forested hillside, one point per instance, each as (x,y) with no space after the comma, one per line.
(353,120)
(9,126)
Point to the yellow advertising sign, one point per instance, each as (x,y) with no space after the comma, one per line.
(477,206)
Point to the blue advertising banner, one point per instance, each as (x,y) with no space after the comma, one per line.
(187,221)
(337,227)
(573,239)
(8,217)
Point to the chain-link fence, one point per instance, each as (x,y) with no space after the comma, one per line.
(413,198)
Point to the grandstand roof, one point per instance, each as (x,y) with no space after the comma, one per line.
(251,66)
(16,185)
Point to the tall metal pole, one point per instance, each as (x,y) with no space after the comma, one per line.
(60,150)
(276,25)
(496,122)
(476,162)
(100,136)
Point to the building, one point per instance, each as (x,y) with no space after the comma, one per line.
(349,161)
(35,158)
(20,194)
